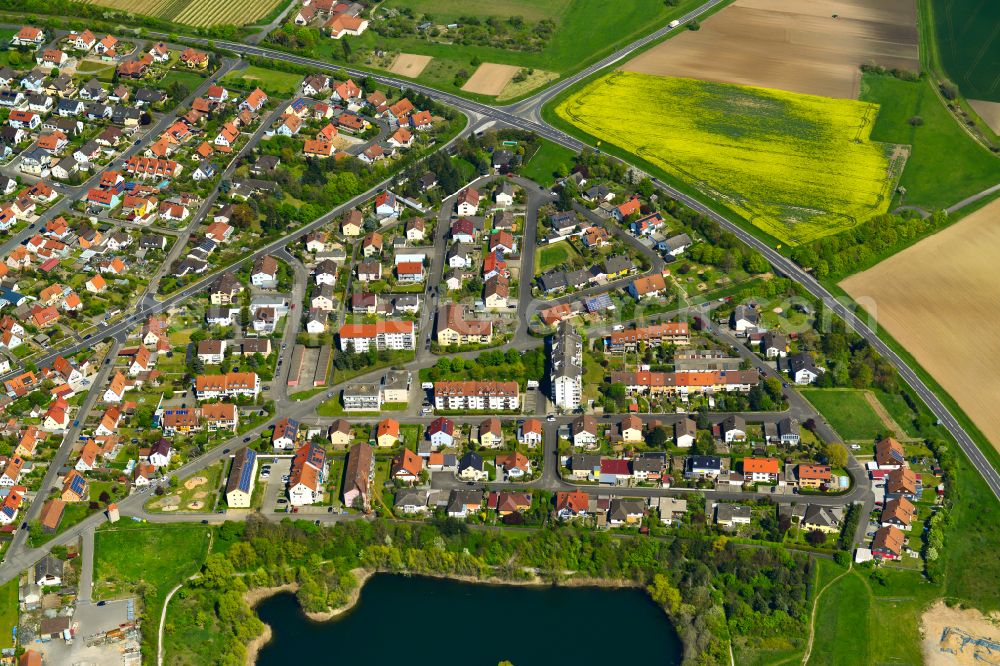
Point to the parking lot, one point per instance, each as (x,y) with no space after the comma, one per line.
(275,488)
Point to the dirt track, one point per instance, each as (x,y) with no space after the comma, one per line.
(940,299)
(791,45)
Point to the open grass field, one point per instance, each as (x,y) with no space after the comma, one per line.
(157,557)
(8,612)
(791,45)
(798,167)
(543,166)
(968,44)
(945,164)
(271,81)
(859,621)
(554,255)
(849,412)
(940,300)
(585,31)
(200,13)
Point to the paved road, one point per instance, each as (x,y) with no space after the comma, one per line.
(85,590)
(973,199)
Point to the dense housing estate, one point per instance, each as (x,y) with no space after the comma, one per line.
(207,265)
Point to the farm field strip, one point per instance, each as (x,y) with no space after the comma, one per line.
(796,166)
(941,301)
(200,13)
(791,46)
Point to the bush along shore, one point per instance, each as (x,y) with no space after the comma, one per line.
(712,591)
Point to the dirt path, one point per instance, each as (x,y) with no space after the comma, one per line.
(812,615)
(886,418)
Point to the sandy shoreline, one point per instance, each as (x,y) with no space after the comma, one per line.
(257,595)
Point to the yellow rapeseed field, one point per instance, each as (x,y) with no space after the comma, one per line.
(796,166)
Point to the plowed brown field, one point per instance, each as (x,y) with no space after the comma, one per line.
(794,45)
(940,299)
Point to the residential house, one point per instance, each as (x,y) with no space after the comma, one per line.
(358,476)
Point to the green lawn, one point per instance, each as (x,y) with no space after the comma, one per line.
(72,514)
(190,80)
(841,624)
(848,412)
(946,164)
(973,542)
(8,612)
(544,166)
(862,622)
(554,255)
(270,81)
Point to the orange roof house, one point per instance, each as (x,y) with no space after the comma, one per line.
(387,432)
(407,466)
(760,469)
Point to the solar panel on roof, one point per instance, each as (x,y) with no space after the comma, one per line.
(248,469)
(598,303)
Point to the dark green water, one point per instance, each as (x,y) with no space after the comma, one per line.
(433,622)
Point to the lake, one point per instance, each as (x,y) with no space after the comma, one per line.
(434,622)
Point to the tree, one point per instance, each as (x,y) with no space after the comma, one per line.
(665,594)
(816,538)
(836,454)
(658,437)
(218,572)
(704,444)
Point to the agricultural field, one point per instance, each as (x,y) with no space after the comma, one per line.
(968,44)
(409,64)
(490,79)
(940,300)
(945,163)
(989,112)
(790,45)
(199,13)
(849,412)
(797,167)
